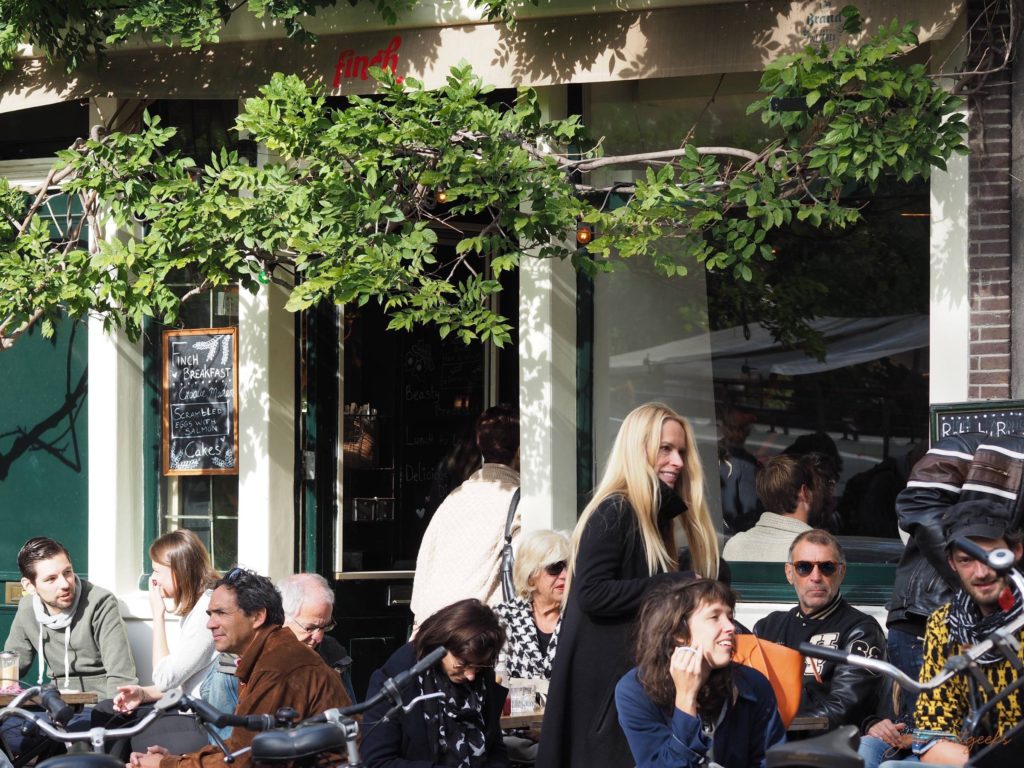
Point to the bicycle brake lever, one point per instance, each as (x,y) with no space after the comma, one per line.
(424,697)
(218,741)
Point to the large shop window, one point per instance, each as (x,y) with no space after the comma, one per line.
(704,344)
(208,505)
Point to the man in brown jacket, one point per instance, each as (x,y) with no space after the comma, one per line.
(274,669)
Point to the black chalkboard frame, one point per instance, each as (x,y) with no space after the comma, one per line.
(168,338)
(978,412)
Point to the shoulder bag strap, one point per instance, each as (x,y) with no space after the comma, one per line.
(513,505)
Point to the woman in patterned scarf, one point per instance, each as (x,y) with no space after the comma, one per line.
(460,725)
(531,620)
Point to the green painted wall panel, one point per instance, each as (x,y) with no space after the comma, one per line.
(43,446)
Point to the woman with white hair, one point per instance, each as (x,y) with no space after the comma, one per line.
(623,543)
(531,618)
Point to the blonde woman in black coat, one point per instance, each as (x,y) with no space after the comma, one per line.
(623,543)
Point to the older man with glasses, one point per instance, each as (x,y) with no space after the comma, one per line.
(309,613)
(842,693)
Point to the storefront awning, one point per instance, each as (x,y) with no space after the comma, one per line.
(736,352)
(672,42)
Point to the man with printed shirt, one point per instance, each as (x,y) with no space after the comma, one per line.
(984,601)
(842,693)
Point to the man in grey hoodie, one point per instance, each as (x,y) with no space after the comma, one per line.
(72,626)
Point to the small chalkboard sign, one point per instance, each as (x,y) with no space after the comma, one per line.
(200,402)
(995,417)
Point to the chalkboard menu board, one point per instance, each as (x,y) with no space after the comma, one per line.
(995,417)
(200,402)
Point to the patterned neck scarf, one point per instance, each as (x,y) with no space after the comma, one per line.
(455,721)
(967,625)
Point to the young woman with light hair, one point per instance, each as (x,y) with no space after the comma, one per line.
(182,573)
(623,543)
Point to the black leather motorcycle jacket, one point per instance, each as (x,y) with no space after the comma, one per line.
(845,694)
(962,467)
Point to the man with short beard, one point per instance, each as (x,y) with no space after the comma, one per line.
(984,602)
(74,627)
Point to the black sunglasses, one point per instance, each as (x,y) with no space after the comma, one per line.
(553,569)
(806,567)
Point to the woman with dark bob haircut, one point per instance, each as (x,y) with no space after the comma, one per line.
(686,703)
(462,726)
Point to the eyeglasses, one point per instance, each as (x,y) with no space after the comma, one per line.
(806,567)
(233,575)
(553,569)
(309,629)
(460,666)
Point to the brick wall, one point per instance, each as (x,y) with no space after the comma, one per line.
(989,229)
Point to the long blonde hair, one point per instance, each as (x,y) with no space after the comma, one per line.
(630,474)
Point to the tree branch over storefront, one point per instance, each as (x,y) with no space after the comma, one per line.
(354,202)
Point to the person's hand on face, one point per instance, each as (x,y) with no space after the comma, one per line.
(161,586)
(156,600)
(689,671)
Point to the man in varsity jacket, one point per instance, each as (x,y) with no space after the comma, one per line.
(842,693)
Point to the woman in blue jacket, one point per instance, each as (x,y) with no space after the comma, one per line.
(686,703)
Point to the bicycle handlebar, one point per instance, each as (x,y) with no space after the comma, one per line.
(215,717)
(59,712)
(906,682)
(96,736)
(1000,560)
(389,690)
(312,736)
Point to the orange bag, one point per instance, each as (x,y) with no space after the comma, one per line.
(783,667)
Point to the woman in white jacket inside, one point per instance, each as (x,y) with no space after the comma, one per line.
(183,574)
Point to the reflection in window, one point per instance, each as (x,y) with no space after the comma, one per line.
(828,348)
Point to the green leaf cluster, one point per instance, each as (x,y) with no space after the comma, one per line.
(843,119)
(347,212)
(419,200)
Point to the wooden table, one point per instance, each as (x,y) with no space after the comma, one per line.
(522,721)
(807,723)
(71,697)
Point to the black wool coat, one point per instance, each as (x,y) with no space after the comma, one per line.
(581,727)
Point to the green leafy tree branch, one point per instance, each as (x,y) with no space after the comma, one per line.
(355,201)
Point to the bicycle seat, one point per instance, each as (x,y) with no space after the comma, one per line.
(293,744)
(836,749)
(81,760)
